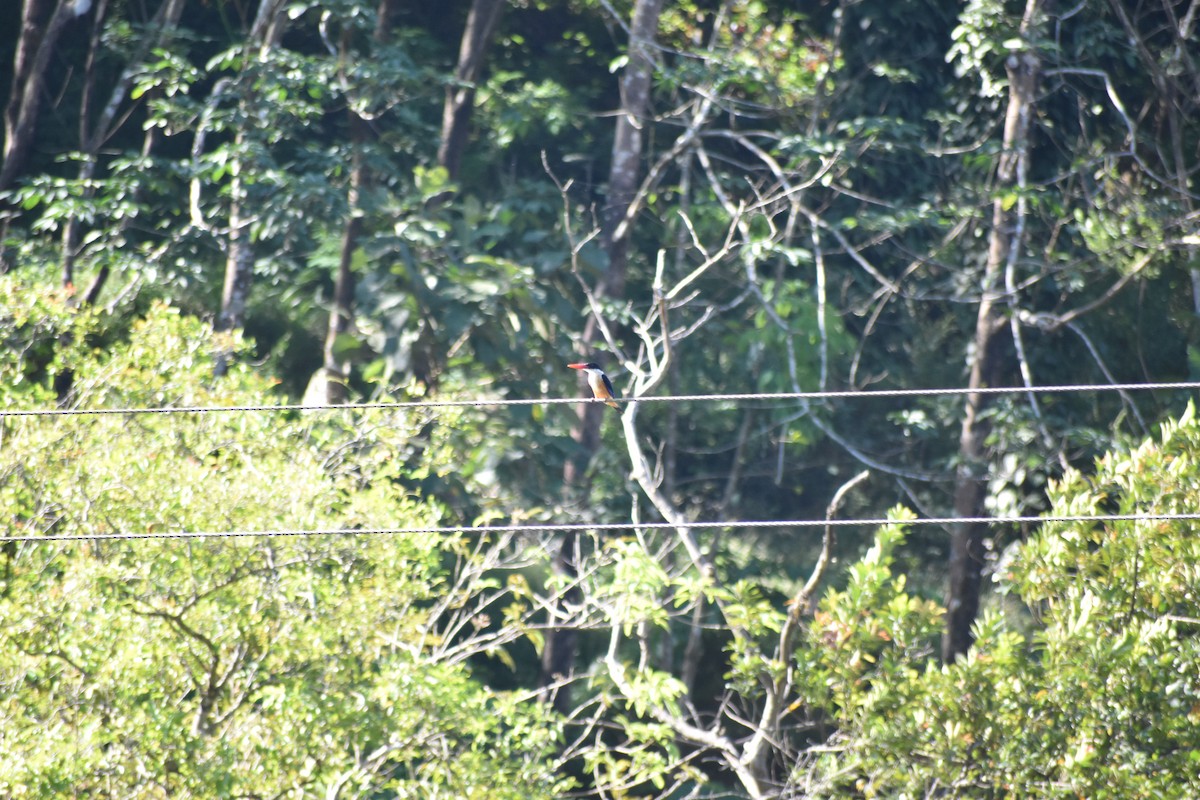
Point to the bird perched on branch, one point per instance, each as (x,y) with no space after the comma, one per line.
(602,387)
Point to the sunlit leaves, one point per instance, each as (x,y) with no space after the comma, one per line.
(638,588)
(230,666)
(982,40)
(1099,700)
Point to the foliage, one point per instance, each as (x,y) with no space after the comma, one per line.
(1081,684)
(1095,696)
(817,184)
(288,666)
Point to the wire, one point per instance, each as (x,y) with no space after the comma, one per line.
(566,528)
(534,401)
(607,526)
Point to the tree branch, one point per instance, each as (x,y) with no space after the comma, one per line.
(709,738)
(766,731)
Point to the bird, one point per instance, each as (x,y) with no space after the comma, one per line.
(602,387)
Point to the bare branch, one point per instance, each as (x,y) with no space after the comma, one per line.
(1125,397)
(576,248)
(654,174)
(710,260)
(819,259)
(1052,322)
(1119,107)
(828,543)
(712,739)
(856,256)
(766,731)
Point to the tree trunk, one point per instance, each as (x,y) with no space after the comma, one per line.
(93,135)
(987,367)
(337,370)
(35,48)
(16,135)
(561,647)
(239,256)
(330,386)
(460,95)
(622,187)
(627,144)
(559,654)
(239,265)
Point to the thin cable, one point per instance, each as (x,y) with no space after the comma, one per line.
(605,526)
(546,401)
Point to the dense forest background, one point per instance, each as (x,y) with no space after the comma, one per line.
(295,206)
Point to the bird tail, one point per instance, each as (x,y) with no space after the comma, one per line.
(612,403)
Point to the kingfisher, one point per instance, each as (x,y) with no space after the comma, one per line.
(602,387)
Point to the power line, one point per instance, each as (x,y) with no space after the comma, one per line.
(535,401)
(609,526)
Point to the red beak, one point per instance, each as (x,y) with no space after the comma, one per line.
(576,366)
